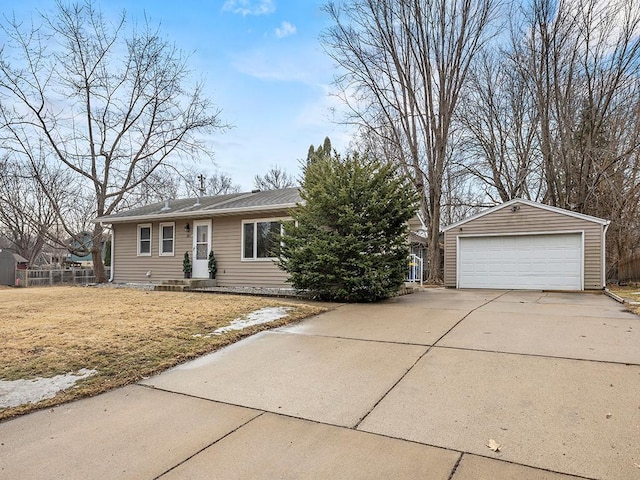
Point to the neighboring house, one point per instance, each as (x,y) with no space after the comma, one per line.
(84,241)
(149,242)
(522,244)
(9,263)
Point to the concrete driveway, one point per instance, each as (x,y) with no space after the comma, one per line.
(411,388)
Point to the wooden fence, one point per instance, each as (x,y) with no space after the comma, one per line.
(47,278)
(629,270)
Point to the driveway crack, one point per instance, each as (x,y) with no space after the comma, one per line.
(455,467)
(357,425)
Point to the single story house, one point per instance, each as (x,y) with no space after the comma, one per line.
(149,242)
(522,244)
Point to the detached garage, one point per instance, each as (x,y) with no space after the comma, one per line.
(526,245)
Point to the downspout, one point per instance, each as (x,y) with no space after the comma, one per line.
(112,270)
(604,255)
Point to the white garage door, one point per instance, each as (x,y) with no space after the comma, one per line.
(521,262)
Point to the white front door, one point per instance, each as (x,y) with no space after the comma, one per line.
(201,248)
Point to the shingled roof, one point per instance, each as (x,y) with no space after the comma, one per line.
(209,206)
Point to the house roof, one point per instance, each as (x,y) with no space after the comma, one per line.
(18,258)
(209,206)
(416,238)
(510,203)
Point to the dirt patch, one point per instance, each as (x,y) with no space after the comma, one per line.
(122,334)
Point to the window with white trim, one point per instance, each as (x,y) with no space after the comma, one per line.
(144,240)
(167,238)
(259,237)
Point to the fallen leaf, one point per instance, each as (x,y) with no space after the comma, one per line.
(493,445)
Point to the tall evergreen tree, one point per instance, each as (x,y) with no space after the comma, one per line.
(322,150)
(349,238)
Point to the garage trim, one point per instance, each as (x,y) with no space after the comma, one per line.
(523,234)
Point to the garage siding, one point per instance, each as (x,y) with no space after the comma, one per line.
(529,219)
(227,234)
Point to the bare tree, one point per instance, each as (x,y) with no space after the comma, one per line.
(582,61)
(25,214)
(500,122)
(218,183)
(80,94)
(274,179)
(405,63)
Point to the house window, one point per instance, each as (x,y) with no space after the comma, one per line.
(167,238)
(258,238)
(144,240)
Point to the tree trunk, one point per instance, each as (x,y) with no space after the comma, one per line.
(96,254)
(435,268)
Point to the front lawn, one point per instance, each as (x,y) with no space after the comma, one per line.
(122,334)
(628,292)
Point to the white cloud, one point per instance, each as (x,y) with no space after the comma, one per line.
(285,29)
(249,7)
(266,64)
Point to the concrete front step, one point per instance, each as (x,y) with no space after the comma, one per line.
(171,288)
(185,284)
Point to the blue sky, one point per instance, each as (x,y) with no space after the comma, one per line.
(263,66)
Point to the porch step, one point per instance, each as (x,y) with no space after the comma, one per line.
(171,288)
(185,284)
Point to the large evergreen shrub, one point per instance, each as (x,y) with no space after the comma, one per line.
(349,238)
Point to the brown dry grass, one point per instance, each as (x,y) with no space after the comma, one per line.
(123,334)
(628,292)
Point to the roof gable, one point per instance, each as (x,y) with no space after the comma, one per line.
(531,203)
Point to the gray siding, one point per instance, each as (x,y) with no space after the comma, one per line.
(530,219)
(232,270)
(227,234)
(128,267)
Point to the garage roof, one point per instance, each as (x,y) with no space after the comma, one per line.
(510,203)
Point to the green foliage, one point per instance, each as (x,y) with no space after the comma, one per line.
(324,150)
(186,263)
(349,238)
(211,265)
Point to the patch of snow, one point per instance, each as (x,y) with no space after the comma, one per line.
(257,317)
(19,392)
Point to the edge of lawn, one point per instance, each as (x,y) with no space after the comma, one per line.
(103,382)
(628,295)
